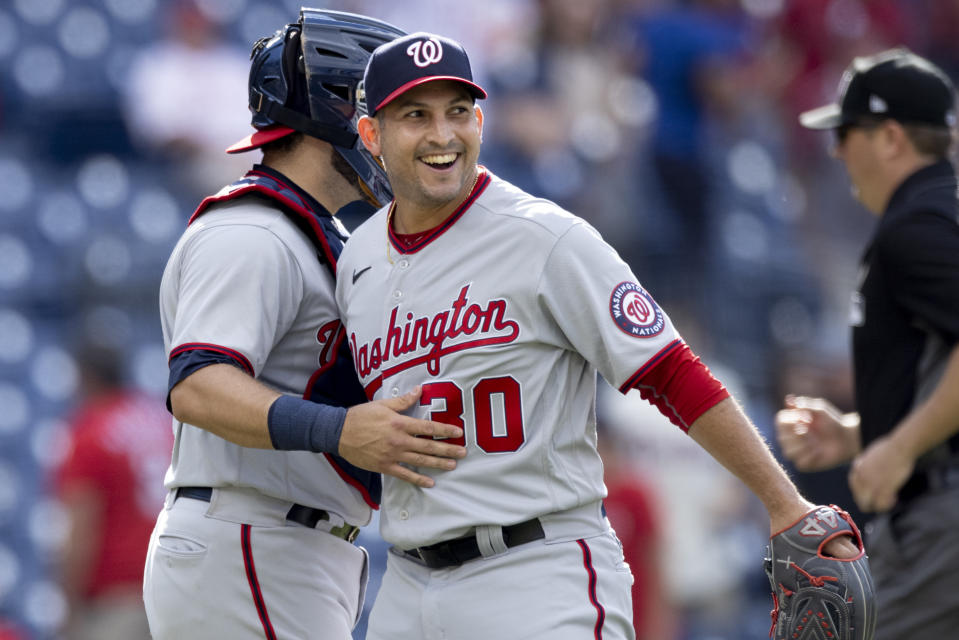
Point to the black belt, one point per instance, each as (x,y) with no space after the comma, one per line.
(453,553)
(307,516)
(927,481)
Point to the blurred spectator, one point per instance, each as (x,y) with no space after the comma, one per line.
(814,39)
(570,112)
(111,486)
(186,99)
(690,53)
(491,29)
(632,510)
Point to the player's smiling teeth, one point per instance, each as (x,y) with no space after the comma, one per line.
(440,159)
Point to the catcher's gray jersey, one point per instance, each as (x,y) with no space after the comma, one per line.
(504,315)
(244,278)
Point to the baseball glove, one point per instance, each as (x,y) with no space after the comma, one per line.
(816,597)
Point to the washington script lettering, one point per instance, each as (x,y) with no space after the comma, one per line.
(488,322)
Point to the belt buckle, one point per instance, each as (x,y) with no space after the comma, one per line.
(414,554)
(347,532)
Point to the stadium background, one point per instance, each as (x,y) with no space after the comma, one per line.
(669,125)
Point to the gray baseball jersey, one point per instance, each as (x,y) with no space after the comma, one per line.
(504,314)
(245,280)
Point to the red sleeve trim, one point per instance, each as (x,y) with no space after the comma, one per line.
(677,383)
(240,359)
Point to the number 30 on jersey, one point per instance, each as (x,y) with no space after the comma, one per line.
(497,409)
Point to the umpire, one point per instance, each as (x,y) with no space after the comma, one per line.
(895,127)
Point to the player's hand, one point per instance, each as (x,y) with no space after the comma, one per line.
(377,437)
(812,435)
(878,473)
(842,548)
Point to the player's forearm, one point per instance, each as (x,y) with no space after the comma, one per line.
(728,435)
(934,420)
(227,402)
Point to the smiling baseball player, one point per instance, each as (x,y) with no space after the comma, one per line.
(504,307)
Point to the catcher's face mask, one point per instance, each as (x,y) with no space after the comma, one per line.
(307,78)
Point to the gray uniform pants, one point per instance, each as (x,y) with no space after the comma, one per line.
(208,578)
(914,557)
(562,590)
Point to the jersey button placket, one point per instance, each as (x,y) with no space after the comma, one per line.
(401,265)
(396,301)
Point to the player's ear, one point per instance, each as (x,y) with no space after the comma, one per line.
(479,119)
(369,130)
(898,138)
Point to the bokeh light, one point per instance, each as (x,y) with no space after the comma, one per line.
(11,490)
(62,217)
(8,35)
(751,168)
(108,260)
(54,373)
(45,605)
(745,236)
(84,33)
(49,442)
(131,11)
(16,262)
(155,215)
(16,409)
(39,70)
(39,12)
(149,368)
(16,185)
(9,565)
(103,181)
(16,336)
(48,525)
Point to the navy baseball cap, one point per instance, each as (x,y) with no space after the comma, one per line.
(895,84)
(407,62)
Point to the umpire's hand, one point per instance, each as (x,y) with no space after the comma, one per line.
(377,437)
(814,435)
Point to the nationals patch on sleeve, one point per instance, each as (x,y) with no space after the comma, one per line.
(635,311)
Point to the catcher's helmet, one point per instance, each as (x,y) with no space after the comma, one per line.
(306,78)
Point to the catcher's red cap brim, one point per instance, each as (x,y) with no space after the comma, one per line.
(259,138)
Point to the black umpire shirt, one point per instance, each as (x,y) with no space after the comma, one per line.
(905,315)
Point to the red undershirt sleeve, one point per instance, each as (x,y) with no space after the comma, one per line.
(678,384)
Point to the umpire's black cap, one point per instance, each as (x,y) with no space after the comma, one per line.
(398,66)
(895,84)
